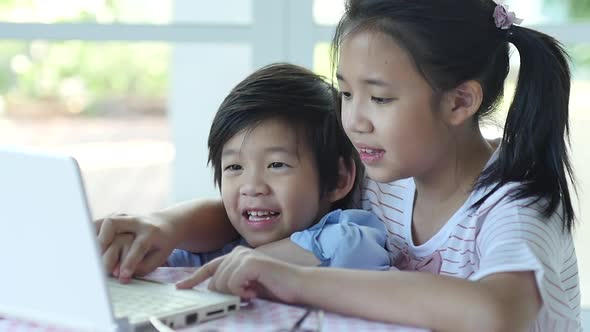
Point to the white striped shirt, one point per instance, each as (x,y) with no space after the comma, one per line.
(502,235)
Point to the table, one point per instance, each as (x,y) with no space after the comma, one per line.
(258,316)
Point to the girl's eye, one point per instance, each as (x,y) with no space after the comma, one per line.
(277,164)
(380,100)
(346,95)
(233,167)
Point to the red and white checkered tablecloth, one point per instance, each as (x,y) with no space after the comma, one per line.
(258,316)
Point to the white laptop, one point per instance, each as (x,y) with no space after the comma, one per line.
(51,266)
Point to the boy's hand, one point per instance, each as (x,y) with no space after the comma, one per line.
(248,274)
(133,245)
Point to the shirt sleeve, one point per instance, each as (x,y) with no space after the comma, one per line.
(180,257)
(517,237)
(348,239)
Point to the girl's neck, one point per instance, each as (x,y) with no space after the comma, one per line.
(443,190)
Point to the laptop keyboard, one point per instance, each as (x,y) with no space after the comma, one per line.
(141,302)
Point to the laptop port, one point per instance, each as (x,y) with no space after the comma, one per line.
(211,313)
(191,318)
(231,307)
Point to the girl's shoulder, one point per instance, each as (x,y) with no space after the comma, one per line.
(504,215)
(506,200)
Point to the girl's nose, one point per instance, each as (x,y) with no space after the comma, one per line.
(354,118)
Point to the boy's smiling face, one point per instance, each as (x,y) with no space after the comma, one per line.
(270,183)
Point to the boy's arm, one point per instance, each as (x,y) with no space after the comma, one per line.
(198,226)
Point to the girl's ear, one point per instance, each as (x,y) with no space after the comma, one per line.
(463,102)
(346,177)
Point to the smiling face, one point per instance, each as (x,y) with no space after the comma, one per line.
(270,183)
(387,108)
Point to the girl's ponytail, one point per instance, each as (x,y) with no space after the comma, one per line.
(535,144)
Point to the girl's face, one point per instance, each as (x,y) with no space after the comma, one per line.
(270,183)
(387,108)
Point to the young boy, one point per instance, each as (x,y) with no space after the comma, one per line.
(282,162)
(285,168)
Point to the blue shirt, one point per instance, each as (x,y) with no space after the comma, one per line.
(343,238)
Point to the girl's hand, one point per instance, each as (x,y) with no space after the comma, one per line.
(133,245)
(248,274)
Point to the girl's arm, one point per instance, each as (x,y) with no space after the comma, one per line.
(500,302)
(287,251)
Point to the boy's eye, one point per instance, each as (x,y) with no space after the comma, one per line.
(277,164)
(380,100)
(233,167)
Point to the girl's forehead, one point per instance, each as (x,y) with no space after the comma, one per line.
(372,42)
(372,55)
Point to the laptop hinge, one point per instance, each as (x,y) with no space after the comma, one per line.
(123,325)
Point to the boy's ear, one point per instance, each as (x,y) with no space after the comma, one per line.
(346,177)
(463,102)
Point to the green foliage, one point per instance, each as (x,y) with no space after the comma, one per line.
(579,9)
(93,70)
(102,68)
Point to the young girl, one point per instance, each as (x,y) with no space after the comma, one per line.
(491,227)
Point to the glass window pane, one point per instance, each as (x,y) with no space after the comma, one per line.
(100,11)
(216,12)
(550,11)
(127,11)
(103,103)
(321,60)
(327,12)
(579,124)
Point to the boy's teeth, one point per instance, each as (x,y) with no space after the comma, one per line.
(260,213)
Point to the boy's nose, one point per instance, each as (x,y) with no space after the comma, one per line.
(254,187)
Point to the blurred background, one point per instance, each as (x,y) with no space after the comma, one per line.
(129,87)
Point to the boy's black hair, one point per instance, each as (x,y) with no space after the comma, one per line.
(454,41)
(300,98)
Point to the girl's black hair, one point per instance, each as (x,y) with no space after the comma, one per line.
(454,41)
(303,100)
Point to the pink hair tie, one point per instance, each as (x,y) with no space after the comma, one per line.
(503,18)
